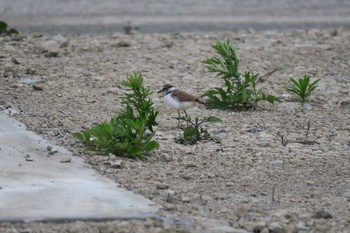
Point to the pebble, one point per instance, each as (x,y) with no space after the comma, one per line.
(122,43)
(276,162)
(230,184)
(276,228)
(307,106)
(162,186)
(169,196)
(185,199)
(66,159)
(189,165)
(38,88)
(255,130)
(166,157)
(206,198)
(322,213)
(27,81)
(15,61)
(259,226)
(113,90)
(117,164)
(186,177)
(210,175)
(263,144)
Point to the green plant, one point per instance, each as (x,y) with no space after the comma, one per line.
(4,30)
(302,87)
(282,138)
(130,132)
(308,127)
(240,91)
(194,132)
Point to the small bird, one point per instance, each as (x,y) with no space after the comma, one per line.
(177,99)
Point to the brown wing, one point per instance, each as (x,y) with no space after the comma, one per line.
(183,96)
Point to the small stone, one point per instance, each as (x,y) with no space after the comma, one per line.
(222,131)
(189,165)
(169,196)
(259,226)
(301,226)
(210,175)
(263,144)
(122,43)
(284,96)
(66,159)
(322,213)
(162,186)
(276,162)
(117,164)
(29,159)
(230,184)
(307,106)
(255,129)
(166,157)
(187,177)
(31,71)
(276,228)
(51,54)
(113,90)
(206,198)
(27,81)
(15,61)
(185,199)
(169,207)
(49,148)
(3,55)
(38,88)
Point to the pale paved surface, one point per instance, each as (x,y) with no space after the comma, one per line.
(46,189)
(169,16)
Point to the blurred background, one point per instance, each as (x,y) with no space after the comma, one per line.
(171,16)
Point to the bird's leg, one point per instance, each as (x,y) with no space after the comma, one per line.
(186,116)
(178,119)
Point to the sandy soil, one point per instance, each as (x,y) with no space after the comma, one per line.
(249,182)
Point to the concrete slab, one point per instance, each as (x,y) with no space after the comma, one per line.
(35,186)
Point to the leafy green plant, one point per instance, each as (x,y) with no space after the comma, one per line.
(302,87)
(194,132)
(4,30)
(240,91)
(130,132)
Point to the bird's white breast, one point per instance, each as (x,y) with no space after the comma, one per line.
(174,103)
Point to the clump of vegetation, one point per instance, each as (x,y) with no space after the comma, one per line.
(240,91)
(194,132)
(5,30)
(130,132)
(302,87)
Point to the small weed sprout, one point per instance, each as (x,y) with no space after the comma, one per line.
(130,132)
(308,127)
(302,87)
(282,138)
(240,91)
(5,30)
(194,132)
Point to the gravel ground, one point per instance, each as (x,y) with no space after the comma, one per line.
(249,182)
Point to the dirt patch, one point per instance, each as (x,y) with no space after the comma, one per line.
(249,181)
